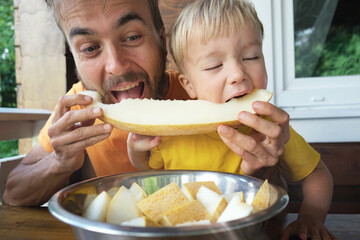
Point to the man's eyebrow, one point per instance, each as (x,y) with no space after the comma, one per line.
(127,18)
(121,22)
(80,31)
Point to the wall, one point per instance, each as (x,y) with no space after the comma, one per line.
(40,59)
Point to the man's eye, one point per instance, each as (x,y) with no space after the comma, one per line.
(89,49)
(133,38)
(213,68)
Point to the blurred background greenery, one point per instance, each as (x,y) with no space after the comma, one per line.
(7,69)
(7,51)
(327,38)
(338,56)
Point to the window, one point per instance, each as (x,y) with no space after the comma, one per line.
(312,53)
(326,38)
(309,30)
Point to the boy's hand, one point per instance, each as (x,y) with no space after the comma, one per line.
(307,227)
(142,143)
(138,147)
(267,142)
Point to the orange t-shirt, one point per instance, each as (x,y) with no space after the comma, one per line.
(110,155)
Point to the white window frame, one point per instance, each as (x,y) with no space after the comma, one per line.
(322,109)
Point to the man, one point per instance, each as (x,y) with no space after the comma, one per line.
(119,50)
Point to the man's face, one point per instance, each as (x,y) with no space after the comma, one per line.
(116,48)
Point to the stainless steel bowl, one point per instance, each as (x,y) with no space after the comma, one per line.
(68,204)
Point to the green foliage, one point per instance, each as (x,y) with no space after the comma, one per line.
(7,70)
(8,148)
(338,56)
(7,55)
(341,54)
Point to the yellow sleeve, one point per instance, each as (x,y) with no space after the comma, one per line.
(156,160)
(299,159)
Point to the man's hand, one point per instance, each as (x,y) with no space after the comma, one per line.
(73,131)
(263,147)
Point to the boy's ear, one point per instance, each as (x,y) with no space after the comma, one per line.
(187,85)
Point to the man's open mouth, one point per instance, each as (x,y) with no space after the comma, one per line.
(135,90)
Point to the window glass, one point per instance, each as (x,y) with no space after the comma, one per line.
(327,38)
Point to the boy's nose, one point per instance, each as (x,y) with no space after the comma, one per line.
(236,74)
(117,62)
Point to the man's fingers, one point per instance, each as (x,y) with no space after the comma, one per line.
(81,134)
(267,109)
(73,148)
(83,115)
(71,120)
(66,102)
(232,139)
(267,128)
(241,143)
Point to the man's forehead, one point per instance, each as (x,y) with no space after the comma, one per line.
(70,5)
(85,10)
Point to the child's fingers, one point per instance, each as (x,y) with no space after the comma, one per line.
(287,232)
(155,142)
(302,232)
(142,143)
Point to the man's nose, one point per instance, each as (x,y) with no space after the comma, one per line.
(117,61)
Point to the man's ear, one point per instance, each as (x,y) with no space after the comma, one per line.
(187,85)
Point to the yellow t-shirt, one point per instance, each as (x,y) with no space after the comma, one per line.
(208,152)
(110,155)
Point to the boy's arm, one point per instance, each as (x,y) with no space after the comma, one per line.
(317,190)
(139,149)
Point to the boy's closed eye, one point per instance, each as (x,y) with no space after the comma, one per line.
(213,67)
(251,58)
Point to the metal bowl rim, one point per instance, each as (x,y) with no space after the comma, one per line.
(74,220)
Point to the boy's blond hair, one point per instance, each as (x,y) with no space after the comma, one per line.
(208,19)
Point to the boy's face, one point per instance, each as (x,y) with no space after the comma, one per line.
(116,47)
(225,67)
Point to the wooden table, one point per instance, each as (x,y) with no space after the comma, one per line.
(27,223)
(37,223)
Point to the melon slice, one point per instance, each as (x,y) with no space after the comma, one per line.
(175,117)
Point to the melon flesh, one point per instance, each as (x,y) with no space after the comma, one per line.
(175,117)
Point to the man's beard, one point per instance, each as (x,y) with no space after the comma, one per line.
(157,87)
